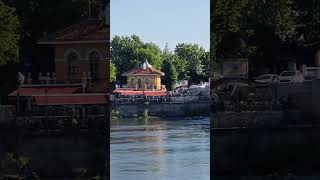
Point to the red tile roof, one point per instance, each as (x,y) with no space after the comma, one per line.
(88,30)
(146,71)
(146,93)
(31,91)
(75,99)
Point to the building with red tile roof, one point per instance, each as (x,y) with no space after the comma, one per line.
(81,68)
(82,53)
(87,31)
(144,78)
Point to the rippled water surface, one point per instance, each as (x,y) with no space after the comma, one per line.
(160,149)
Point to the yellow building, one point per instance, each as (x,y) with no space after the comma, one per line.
(82,53)
(144,78)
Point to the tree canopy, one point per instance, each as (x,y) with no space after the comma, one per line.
(113,71)
(130,52)
(263,31)
(9,35)
(171,76)
(191,59)
(186,62)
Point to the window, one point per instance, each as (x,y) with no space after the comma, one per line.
(132,82)
(94,59)
(139,83)
(72,66)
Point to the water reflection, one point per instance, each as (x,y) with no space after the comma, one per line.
(160,149)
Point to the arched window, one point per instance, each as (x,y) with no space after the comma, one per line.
(132,84)
(139,83)
(72,66)
(94,59)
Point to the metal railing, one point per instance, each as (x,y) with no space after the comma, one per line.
(159,99)
(141,88)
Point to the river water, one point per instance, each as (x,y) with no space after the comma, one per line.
(160,149)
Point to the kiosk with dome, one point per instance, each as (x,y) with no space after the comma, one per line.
(143,79)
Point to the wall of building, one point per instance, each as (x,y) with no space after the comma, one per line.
(83,51)
(152,79)
(158,82)
(61,69)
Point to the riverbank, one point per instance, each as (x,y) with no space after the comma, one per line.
(189,109)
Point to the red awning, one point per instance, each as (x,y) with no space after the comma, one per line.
(146,93)
(30,91)
(155,93)
(85,99)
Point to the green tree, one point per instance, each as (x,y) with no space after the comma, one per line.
(179,64)
(206,66)
(191,58)
(227,17)
(131,52)
(171,75)
(152,53)
(274,28)
(113,72)
(9,34)
(124,54)
(255,29)
(308,21)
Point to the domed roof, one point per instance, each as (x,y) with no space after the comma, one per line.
(146,65)
(145,69)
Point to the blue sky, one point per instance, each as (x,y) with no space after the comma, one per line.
(161,21)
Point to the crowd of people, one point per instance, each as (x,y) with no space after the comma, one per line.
(180,95)
(158,99)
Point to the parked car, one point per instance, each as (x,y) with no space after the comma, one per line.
(311,73)
(268,78)
(291,76)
